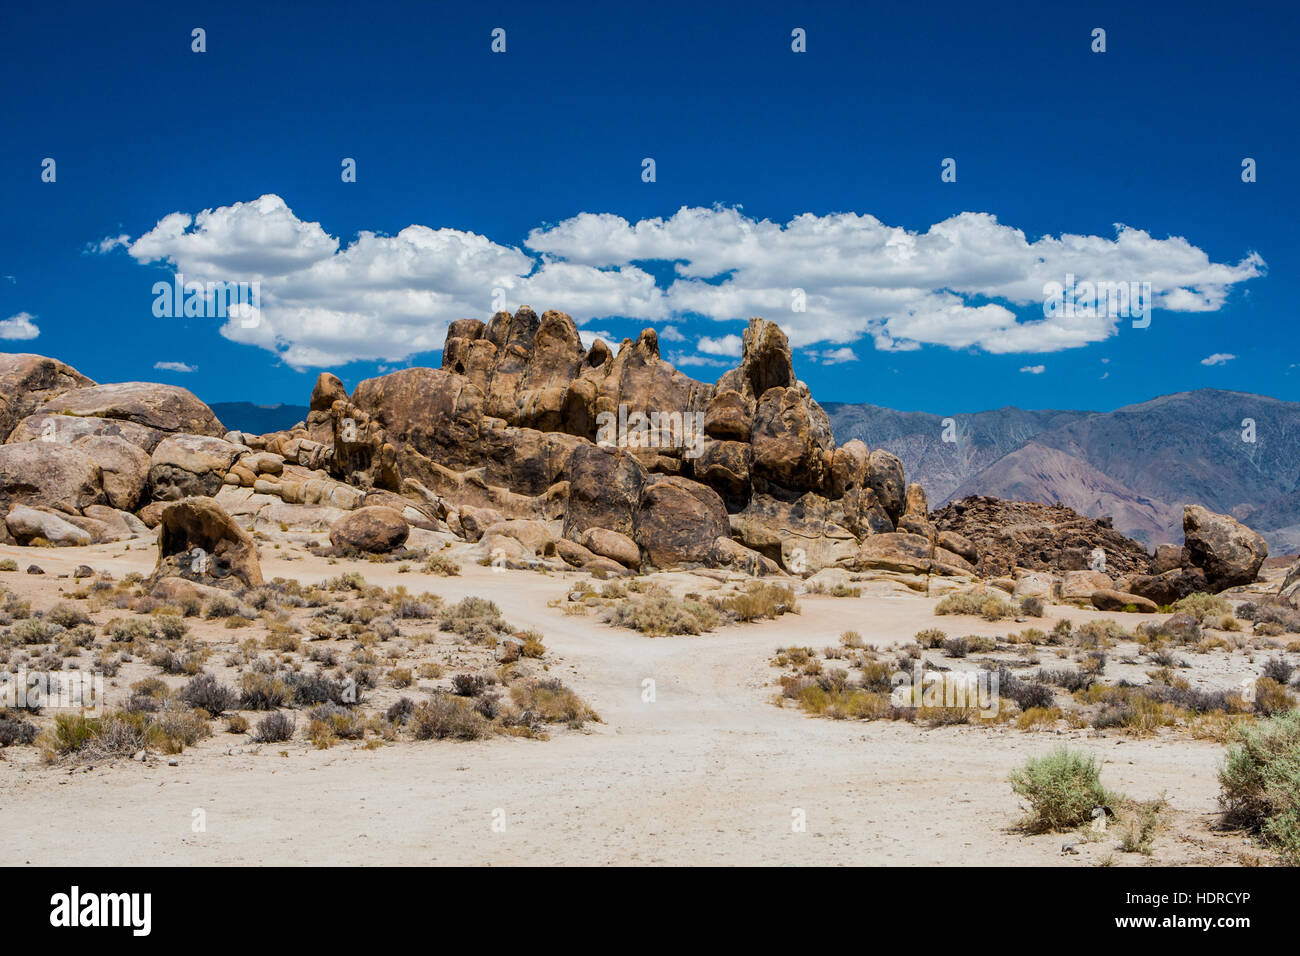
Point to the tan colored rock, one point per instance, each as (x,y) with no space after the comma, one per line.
(168,408)
(48,473)
(26,523)
(1081,585)
(326,392)
(69,428)
(1169,557)
(678,521)
(119,522)
(803,536)
(914,502)
(1108,599)
(28,381)
(611,544)
(123,466)
(894,551)
(533,535)
(1227,551)
(958,544)
(200,542)
(476,520)
(377,530)
(186,465)
(729,553)
(1039,584)
(572,552)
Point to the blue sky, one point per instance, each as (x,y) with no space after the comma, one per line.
(497,157)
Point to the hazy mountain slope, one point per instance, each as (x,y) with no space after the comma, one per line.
(917,438)
(1154,457)
(1038,473)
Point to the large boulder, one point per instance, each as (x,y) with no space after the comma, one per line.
(48,473)
(792,441)
(26,524)
(375,529)
(678,521)
(27,381)
(885,478)
(893,551)
(123,466)
(1167,587)
(190,465)
(168,408)
(1108,599)
(200,542)
(328,389)
(1081,585)
(605,486)
(612,545)
(1227,551)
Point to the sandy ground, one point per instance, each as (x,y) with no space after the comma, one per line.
(710,772)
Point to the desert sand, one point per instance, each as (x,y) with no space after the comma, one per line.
(711,771)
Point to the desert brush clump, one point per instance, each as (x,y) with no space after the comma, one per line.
(1062,789)
(762,600)
(1260,783)
(658,613)
(981,602)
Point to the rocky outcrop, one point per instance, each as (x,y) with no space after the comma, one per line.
(200,542)
(123,467)
(28,381)
(1012,534)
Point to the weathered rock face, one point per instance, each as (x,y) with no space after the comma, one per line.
(678,521)
(167,408)
(69,429)
(200,542)
(48,473)
(801,536)
(27,381)
(374,529)
(1010,534)
(26,524)
(1227,551)
(904,554)
(605,487)
(124,468)
(190,465)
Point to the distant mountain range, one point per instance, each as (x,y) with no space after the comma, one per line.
(1139,464)
(258,419)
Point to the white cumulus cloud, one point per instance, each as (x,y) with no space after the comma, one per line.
(1218,358)
(19,327)
(174,367)
(968,282)
(1034,369)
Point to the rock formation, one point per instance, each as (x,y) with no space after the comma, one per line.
(542,450)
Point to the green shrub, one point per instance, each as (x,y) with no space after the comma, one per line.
(1062,788)
(1260,781)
